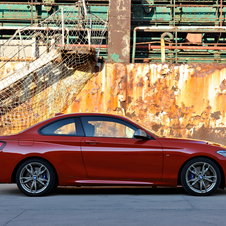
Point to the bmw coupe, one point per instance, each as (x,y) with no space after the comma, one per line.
(87,149)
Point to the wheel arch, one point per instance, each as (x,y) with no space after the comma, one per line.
(207,157)
(13,177)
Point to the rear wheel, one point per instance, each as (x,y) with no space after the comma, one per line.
(35,177)
(200,176)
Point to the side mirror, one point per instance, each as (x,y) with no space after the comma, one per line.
(140,134)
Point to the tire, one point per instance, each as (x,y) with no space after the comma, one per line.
(35,177)
(200,176)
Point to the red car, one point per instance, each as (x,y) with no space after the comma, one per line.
(99,149)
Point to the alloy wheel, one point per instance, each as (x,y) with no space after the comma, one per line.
(35,177)
(200,176)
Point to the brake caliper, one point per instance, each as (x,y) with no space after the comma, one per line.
(44,176)
(191,175)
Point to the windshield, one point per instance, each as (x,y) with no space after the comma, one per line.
(150,131)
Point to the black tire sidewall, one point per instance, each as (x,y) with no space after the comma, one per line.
(188,164)
(52,177)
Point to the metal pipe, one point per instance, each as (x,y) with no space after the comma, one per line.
(194,29)
(62,18)
(21,42)
(157,47)
(47,4)
(163,57)
(149,47)
(176,45)
(134,43)
(35,49)
(176,5)
(190,47)
(162,50)
(85,45)
(17,59)
(35,3)
(185,58)
(86,17)
(31,28)
(221,13)
(84,6)
(174,13)
(32,12)
(41,28)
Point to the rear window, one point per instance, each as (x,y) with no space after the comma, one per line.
(63,127)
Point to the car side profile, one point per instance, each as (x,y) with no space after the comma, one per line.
(90,149)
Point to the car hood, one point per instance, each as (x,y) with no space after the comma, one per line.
(179,141)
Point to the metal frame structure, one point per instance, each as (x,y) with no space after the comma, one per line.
(174,46)
(131,14)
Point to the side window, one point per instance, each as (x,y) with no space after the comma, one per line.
(68,126)
(107,127)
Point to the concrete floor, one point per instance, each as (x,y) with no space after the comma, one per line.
(111,206)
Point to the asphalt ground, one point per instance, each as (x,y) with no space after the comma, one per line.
(110,206)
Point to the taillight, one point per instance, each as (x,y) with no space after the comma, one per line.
(2,144)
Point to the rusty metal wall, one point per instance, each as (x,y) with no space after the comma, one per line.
(105,92)
(187,100)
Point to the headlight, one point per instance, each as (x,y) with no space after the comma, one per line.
(222,152)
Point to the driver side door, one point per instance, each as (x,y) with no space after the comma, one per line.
(111,152)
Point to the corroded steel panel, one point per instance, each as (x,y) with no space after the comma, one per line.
(179,101)
(119,31)
(187,100)
(176,101)
(105,92)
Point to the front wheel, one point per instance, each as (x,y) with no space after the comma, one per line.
(200,176)
(35,177)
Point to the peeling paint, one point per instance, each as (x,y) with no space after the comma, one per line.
(115,57)
(126,44)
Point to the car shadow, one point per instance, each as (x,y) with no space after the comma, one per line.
(118,191)
(106,190)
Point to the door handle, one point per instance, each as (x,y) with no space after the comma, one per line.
(92,142)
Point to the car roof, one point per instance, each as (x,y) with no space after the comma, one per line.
(86,114)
